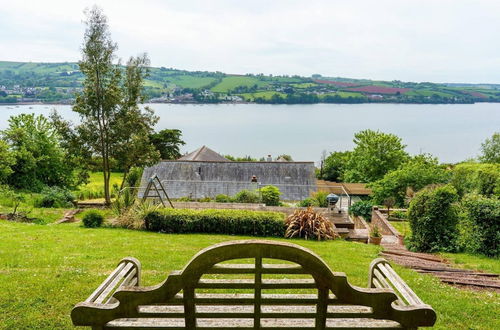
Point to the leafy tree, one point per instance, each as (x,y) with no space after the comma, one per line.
(112,124)
(491,149)
(335,165)
(477,178)
(39,159)
(247,158)
(168,143)
(7,159)
(415,174)
(288,158)
(375,154)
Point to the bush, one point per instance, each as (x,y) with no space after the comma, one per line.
(400,214)
(482,224)
(221,198)
(309,225)
(92,219)
(320,196)
(134,176)
(362,209)
(483,179)
(270,195)
(309,201)
(54,197)
(433,217)
(229,222)
(247,196)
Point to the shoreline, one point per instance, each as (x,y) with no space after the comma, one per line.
(203,103)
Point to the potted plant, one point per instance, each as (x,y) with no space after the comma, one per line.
(375,235)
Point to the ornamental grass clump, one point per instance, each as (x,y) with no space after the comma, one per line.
(308,224)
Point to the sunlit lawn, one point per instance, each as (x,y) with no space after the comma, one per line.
(45,270)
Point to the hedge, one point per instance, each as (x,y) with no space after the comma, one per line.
(481,226)
(433,217)
(229,222)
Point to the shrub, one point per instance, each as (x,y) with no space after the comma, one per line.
(134,176)
(476,178)
(309,201)
(309,225)
(54,197)
(400,214)
(482,224)
(375,232)
(134,217)
(362,209)
(320,196)
(123,202)
(247,196)
(229,222)
(221,198)
(433,216)
(270,195)
(92,219)
(205,200)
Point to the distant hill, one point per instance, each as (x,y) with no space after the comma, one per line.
(58,82)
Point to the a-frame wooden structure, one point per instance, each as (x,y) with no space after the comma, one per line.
(155,183)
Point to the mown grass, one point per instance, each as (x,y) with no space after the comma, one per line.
(45,270)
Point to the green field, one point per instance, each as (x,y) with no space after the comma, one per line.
(265,95)
(230,82)
(45,270)
(95,188)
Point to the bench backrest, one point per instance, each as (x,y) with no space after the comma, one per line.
(264,293)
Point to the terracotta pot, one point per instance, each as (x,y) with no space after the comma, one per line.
(375,240)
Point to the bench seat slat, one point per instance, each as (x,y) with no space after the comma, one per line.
(266,323)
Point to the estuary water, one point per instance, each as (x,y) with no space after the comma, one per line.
(451,132)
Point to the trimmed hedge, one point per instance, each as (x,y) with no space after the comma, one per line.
(433,217)
(229,222)
(481,225)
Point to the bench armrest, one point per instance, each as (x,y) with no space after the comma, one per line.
(126,274)
(383,276)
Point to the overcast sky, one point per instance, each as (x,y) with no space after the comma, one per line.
(411,40)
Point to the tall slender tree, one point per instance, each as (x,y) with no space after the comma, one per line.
(110,116)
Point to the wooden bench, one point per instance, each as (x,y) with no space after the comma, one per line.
(214,292)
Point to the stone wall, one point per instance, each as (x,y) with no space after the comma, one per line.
(242,206)
(379,220)
(197,179)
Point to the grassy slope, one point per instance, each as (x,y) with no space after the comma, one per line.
(231,82)
(45,270)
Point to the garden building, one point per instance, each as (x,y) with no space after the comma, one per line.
(205,173)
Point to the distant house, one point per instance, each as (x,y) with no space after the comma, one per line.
(205,173)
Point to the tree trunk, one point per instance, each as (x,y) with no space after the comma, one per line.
(125,173)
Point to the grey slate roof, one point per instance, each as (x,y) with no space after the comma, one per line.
(204,154)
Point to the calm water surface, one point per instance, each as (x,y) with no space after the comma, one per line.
(452,132)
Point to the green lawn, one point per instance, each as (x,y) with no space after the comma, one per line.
(45,270)
(403,227)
